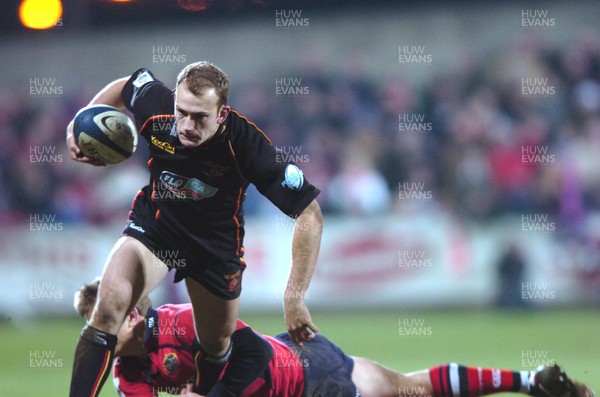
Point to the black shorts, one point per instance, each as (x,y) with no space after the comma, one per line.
(327,369)
(223,278)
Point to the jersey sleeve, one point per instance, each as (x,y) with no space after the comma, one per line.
(145,96)
(282,182)
(240,325)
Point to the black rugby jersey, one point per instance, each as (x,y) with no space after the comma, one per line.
(196,194)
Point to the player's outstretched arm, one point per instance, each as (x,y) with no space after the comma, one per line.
(306,243)
(109,95)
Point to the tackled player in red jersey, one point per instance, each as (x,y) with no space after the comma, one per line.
(154,356)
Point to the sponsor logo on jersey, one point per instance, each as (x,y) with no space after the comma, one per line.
(191,187)
(166,146)
(142,78)
(170,362)
(294,178)
(133,226)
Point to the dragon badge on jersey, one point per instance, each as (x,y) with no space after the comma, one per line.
(170,362)
(234,280)
(294,178)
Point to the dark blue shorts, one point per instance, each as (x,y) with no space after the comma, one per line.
(327,369)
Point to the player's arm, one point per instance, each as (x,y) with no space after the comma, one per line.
(285,186)
(109,95)
(306,243)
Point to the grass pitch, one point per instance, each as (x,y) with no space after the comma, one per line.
(36,357)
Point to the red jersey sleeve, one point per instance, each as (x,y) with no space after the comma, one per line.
(240,324)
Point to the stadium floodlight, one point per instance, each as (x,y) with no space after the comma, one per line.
(40,14)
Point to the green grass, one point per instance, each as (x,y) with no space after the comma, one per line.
(484,338)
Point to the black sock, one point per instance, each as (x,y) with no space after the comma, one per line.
(249,358)
(208,369)
(93,358)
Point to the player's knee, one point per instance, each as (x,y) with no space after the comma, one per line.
(106,320)
(216,346)
(214,340)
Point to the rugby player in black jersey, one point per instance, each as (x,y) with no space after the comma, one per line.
(203,155)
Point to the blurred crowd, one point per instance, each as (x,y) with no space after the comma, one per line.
(515,132)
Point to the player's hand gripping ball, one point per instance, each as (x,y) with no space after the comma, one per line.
(105,134)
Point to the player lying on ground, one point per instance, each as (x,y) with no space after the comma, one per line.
(154,355)
(203,156)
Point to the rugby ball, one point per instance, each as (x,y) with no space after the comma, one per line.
(104,133)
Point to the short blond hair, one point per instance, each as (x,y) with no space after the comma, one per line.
(85,299)
(202,75)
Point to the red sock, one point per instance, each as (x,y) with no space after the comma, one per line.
(453,380)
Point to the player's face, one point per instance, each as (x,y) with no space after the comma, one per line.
(124,338)
(198,117)
(128,336)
